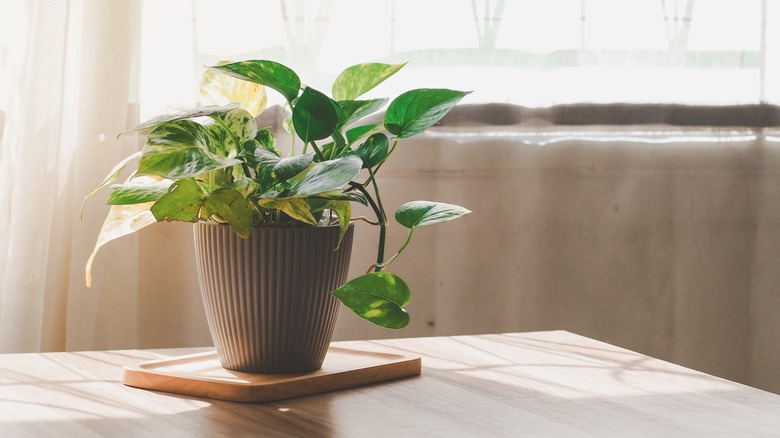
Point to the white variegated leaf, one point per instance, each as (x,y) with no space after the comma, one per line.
(121,221)
(221,89)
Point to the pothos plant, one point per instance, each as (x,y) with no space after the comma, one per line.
(214,163)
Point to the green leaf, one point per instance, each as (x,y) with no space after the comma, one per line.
(182,202)
(422,213)
(314,116)
(138,192)
(358,79)
(339,195)
(378,297)
(287,168)
(232,207)
(373,151)
(354,110)
(296,208)
(359,132)
(264,162)
(181,149)
(320,177)
(417,110)
(182,115)
(269,73)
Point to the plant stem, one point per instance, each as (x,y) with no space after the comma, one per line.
(317,151)
(382,217)
(398,253)
(364,219)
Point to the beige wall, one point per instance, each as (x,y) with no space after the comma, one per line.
(667,246)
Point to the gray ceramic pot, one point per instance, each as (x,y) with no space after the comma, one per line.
(267,298)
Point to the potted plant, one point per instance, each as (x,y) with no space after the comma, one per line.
(273,231)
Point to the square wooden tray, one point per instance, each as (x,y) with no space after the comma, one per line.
(201,375)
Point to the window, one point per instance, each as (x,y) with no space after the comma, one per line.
(525,52)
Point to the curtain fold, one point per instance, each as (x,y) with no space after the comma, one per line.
(71,70)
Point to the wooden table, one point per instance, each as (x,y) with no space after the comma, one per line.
(523,384)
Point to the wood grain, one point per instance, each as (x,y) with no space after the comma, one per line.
(201,375)
(550,384)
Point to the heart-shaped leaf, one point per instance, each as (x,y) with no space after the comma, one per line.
(314,116)
(287,168)
(221,89)
(320,177)
(183,115)
(231,206)
(373,151)
(417,110)
(181,149)
(182,202)
(421,213)
(356,80)
(269,73)
(378,297)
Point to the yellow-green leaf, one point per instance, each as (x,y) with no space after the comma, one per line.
(356,80)
(231,206)
(296,208)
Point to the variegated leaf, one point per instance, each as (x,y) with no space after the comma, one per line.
(181,149)
(221,89)
(112,176)
(190,113)
(269,73)
(421,213)
(320,177)
(121,221)
(242,124)
(138,192)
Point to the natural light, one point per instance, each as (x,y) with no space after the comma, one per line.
(522,52)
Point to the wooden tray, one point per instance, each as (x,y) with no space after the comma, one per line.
(201,375)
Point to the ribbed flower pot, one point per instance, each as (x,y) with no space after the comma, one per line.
(267,298)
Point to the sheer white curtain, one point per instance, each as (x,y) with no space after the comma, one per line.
(69,68)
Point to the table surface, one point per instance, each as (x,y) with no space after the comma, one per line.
(520,384)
